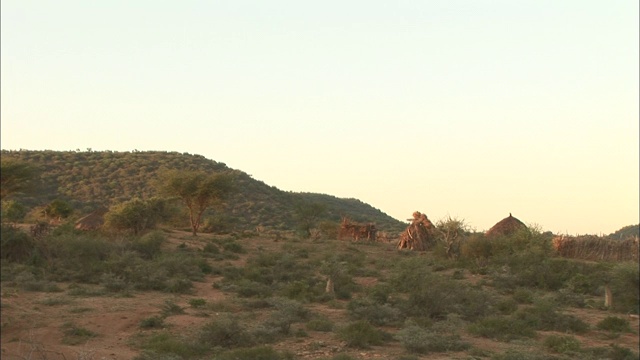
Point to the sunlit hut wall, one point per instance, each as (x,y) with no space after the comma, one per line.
(591,247)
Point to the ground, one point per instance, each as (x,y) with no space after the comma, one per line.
(33,323)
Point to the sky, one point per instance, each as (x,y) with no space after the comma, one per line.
(470,109)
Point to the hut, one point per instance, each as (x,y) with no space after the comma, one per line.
(506,226)
(93,221)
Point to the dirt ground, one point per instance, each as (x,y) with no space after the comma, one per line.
(33,323)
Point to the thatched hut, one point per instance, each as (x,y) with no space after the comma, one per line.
(419,235)
(93,221)
(506,226)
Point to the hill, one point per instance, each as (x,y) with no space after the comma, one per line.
(89,179)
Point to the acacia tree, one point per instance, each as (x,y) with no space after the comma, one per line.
(198,191)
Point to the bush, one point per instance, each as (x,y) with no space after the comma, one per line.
(149,245)
(154,322)
(15,245)
(162,344)
(562,344)
(614,324)
(502,328)
(74,335)
(320,324)
(418,340)
(376,314)
(543,316)
(361,335)
(197,303)
(625,286)
(226,332)
(256,353)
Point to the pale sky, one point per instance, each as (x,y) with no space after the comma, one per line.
(471,108)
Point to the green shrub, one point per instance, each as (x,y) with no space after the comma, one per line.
(234,247)
(374,313)
(544,316)
(15,245)
(149,245)
(320,324)
(113,283)
(613,352)
(562,344)
(523,296)
(197,303)
(418,340)
(522,355)
(74,335)
(614,324)
(226,332)
(163,345)
(625,286)
(255,353)
(361,335)
(502,328)
(154,322)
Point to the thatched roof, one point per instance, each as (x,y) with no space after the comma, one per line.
(92,221)
(506,226)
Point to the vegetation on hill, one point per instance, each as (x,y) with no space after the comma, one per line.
(90,179)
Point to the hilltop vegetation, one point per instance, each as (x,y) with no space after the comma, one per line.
(90,179)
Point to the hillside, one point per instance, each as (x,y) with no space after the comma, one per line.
(88,179)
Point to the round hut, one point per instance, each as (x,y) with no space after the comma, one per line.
(506,226)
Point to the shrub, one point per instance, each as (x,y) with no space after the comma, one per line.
(523,296)
(74,335)
(320,324)
(614,324)
(255,353)
(162,344)
(376,314)
(150,244)
(227,332)
(625,286)
(361,334)
(543,316)
(154,322)
(418,340)
(502,328)
(197,303)
(562,344)
(112,282)
(171,308)
(15,245)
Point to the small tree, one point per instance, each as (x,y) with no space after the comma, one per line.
(137,215)
(58,210)
(13,211)
(452,232)
(15,177)
(197,190)
(307,215)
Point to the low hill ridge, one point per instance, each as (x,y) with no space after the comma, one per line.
(89,179)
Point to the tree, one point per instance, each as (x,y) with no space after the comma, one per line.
(15,177)
(137,215)
(307,215)
(13,211)
(58,209)
(198,191)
